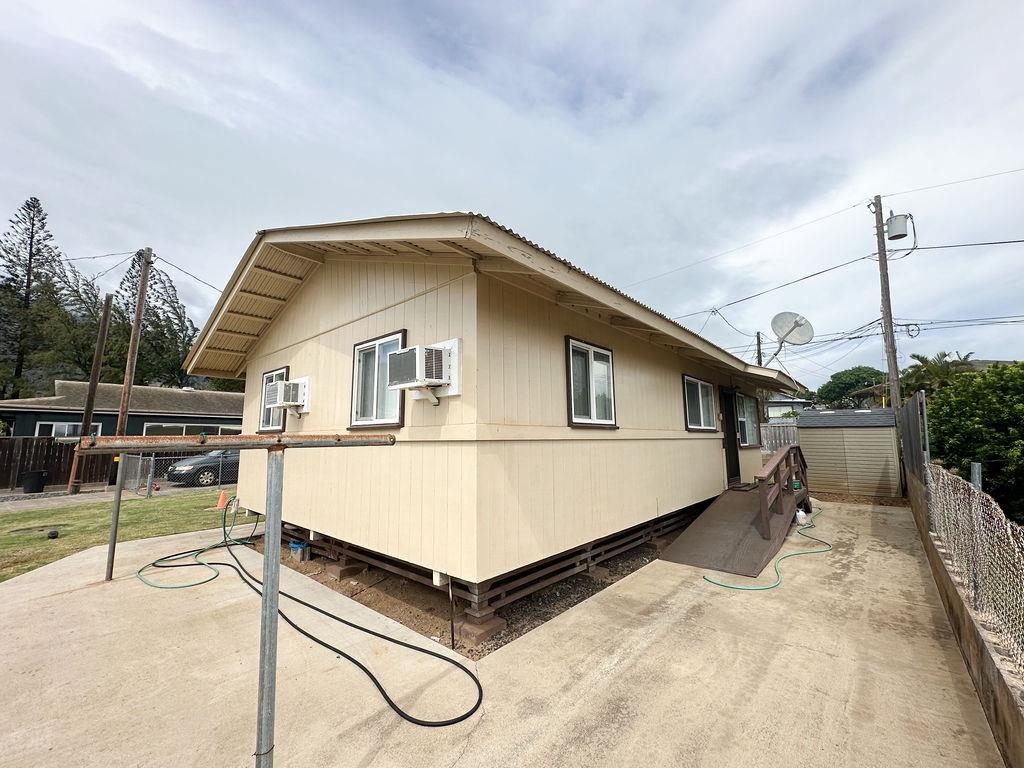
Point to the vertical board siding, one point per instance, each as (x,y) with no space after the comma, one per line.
(522,364)
(852,460)
(538,498)
(555,487)
(416,500)
(751,461)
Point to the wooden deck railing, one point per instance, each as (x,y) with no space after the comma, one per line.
(775,481)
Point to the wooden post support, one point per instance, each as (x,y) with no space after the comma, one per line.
(74,484)
(133,344)
(888,336)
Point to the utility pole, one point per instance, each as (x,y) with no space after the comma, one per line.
(760,360)
(133,345)
(74,484)
(888,336)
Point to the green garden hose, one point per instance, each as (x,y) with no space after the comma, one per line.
(778,561)
(195,554)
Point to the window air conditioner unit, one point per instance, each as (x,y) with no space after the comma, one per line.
(286,394)
(420,366)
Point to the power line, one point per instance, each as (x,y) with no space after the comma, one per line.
(186,272)
(955,245)
(821,338)
(111,269)
(726,321)
(100,256)
(823,218)
(745,245)
(777,287)
(951,183)
(904,320)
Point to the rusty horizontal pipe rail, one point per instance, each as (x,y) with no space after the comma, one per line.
(127,444)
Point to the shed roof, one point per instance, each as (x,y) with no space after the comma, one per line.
(70,396)
(278,262)
(876,417)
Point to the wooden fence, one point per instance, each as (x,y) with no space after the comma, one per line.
(775,436)
(19,455)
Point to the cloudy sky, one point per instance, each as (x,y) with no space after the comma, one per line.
(631,138)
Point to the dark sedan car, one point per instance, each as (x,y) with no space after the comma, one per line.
(206,469)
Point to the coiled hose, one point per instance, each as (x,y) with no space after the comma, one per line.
(227,541)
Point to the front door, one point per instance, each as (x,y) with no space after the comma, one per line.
(731,439)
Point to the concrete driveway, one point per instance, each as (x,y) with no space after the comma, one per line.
(850,663)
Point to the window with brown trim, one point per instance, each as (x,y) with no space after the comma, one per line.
(591,384)
(699,403)
(271,419)
(373,404)
(747,420)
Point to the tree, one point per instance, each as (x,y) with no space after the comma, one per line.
(167,330)
(30,264)
(835,393)
(933,373)
(980,417)
(223,385)
(50,313)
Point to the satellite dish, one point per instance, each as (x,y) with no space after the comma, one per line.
(790,327)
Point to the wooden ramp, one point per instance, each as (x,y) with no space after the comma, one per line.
(725,536)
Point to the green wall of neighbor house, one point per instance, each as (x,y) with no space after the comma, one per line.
(24,422)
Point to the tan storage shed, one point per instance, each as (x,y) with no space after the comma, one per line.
(851,452)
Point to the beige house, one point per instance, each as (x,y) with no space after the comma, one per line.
(580,413)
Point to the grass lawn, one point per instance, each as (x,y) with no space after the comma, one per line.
(24,546)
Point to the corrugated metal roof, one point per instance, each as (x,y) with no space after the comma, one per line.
(513,233)
(212,327)
(70,396)
(876,417)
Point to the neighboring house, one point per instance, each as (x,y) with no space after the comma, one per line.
(984,365)
(581,412)
(152,411)
(876,396)
(780,405)
(851,451)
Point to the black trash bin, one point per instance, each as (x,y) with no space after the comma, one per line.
(35,480)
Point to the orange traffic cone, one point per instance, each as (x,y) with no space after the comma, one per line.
(222,503)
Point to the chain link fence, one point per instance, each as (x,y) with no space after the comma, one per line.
(145,473)
(984,550)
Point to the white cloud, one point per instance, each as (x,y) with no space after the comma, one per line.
(628,139)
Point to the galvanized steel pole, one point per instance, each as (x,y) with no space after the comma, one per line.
(268,613)
(115,514)
(977,585)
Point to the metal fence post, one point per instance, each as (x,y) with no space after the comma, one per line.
(152,473)
(115,514)
(924,428)
(977,587)
(268,613)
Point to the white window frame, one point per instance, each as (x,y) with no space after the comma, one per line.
(375,344)
(590,349)
(276,414)
(741,417)
(54,424)
(701,384)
